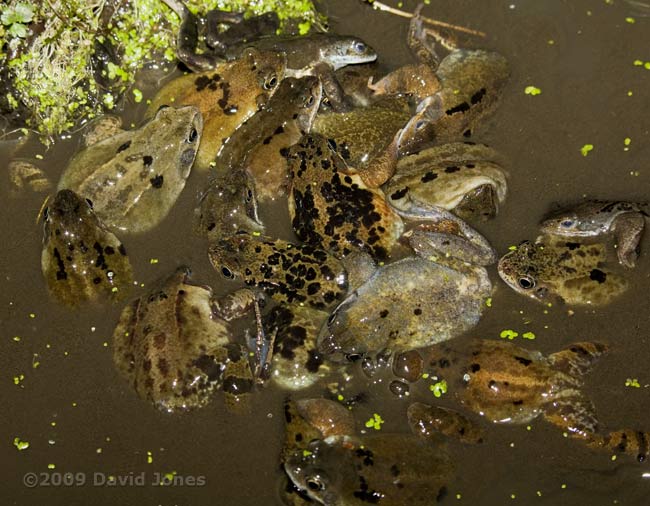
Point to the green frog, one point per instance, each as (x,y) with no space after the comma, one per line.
(595,218)
(319,54)
(460,176)
(228,205)
(506,383)
(134,177)
(257,145)
(332,207)
(561,270)
(227,96)
(82,260)
(416,301)
(175,346)
(387,469)
(287,272)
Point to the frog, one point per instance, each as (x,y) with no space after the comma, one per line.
(227,96)
(510,384)
(466,82)
(257,145)
(319,54)
(330,205)
(416,301)
(82,260)
(462,177)
(24,176)
(596,218)
(174,344)
(134,177)
(429,422)
(287,272)
(560,270)
(228,205)
(389,469)
(296,363)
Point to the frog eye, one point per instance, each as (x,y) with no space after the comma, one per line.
(227,273)
(249,195)
(359,47)
(526,282)
(308,101)
(270,82)
(90,203)
(192,136)
(45,213)
(568,223)
(420,124)
(315,483)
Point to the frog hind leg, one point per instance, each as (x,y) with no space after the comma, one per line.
(628,230)
(574,414)
(481,203)
(240,30)
(635,443)
(577,359)
(418,43)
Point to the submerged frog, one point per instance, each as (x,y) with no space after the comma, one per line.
(416,301)
(285,271)
(509,384)
(258,144)
(296,363)
(595,218)
(134,177)
(227,206)
(226,96)
(174,345)
(387,469)
(332,207)
(462,177)
(81,260)
(561,270)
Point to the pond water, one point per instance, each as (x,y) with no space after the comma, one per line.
(78,414)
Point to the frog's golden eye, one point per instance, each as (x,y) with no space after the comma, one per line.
(526,282)
(270,82)
(315,483)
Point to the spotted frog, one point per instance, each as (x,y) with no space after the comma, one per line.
(506,383)
(226,96)
(463,177)
(416,301)
(175,346)
(82,260)
(562,270)
(595,218)
(287,272)
(331,206)
(134,177)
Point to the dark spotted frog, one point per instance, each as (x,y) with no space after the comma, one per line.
(596,218)
(175,346)
(561,270)
(134,177)
(82,260)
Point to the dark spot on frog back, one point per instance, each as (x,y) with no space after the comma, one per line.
(157,181)
(124,146)
(598,275)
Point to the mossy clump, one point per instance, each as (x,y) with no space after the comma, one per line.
(63,61)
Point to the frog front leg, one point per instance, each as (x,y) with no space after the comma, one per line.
(332,89)
(628,229)
(239,31)
(188,37)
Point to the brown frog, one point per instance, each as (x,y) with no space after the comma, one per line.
(82,260)
(226,96)
(509,384)
(175,346)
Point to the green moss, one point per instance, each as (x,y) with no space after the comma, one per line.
(49,47)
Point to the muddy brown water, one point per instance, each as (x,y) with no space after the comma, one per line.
(78,414)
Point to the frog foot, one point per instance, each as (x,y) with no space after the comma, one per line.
(429,421)
(635,443)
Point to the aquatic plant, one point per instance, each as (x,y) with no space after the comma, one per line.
(64,61)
